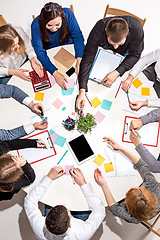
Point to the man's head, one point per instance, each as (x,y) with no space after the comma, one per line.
(117,31)
(58,220)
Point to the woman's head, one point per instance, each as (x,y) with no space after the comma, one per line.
(10,171)
(52,18)
(10,40)
(141,203)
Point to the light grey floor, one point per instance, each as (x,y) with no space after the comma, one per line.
(13,222)
(15,226)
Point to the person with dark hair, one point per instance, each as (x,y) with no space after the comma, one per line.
(153,116)
(15,171)
(59,223)
(8,91)
(56,26)
(15,49)
(123,35)
(152,72)
(140,203)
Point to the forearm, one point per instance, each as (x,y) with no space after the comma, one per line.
(152,116)
(108,195)
(153,164)
(15,133)
(130,155)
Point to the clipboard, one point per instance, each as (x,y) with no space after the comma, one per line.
(33,155)
(146,131)
(105,62)
(40,84)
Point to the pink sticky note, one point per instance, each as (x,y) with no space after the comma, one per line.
(99,117)
(57,103)
(70,83)
(67,168)
(53,137)
(52,80)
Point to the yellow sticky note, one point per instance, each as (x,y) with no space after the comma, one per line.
(99,160)
(96,102)
(137,83)
(145,91)
(108,167)
(39,96)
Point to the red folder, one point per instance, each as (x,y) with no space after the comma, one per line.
(41,154)
(149,132)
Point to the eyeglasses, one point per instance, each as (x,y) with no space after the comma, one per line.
(49,8)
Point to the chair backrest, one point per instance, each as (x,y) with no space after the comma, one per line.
(2,21)
(150,226)
(119,12)
(71,7)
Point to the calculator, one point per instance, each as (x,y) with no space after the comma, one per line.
(40,84)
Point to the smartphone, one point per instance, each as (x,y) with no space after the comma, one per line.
(70,71)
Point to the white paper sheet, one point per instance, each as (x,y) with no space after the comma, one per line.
(148,133)
(104,63)
(36,154)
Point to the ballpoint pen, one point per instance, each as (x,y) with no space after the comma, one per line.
(137,134)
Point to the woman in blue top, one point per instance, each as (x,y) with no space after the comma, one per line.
(54,27)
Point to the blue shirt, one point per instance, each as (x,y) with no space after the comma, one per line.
(76,38)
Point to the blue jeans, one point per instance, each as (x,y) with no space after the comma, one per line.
(4,80)
(83,215)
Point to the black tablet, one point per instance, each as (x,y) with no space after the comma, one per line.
(80,149)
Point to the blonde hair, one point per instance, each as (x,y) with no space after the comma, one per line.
(141,203)
(9,171)
(7,36)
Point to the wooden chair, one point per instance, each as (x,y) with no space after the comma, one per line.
(151,226)
(118,12)
(2,21)
(71,7)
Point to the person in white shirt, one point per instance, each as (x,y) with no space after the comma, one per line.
(152,72)
(59,224)
(15,48)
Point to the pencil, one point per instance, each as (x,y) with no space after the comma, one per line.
(88,100)
(62,157)
(118,89)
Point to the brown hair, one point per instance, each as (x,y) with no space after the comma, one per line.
(57,220)
(9,171)
(141,203)
(7,35)
(45,17)
(117,29)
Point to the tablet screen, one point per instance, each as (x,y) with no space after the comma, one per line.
(81,148)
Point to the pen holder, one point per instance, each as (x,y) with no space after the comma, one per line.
(69,123)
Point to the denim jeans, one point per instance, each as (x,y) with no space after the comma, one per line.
(4,80)
(83,215)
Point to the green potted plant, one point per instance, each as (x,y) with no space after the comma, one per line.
(85,124)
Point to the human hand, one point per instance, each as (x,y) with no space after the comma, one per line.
(100,180)
(80,102)
(77,66)
(112,143)
(110,78)
(60,79)
(56,172)
(136,124)
(77,174)
(135,138)
(20,73)
(41,143)
(126,84)
(40,125)
(35,107)
(37,66)
(20,160)
(138,104)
